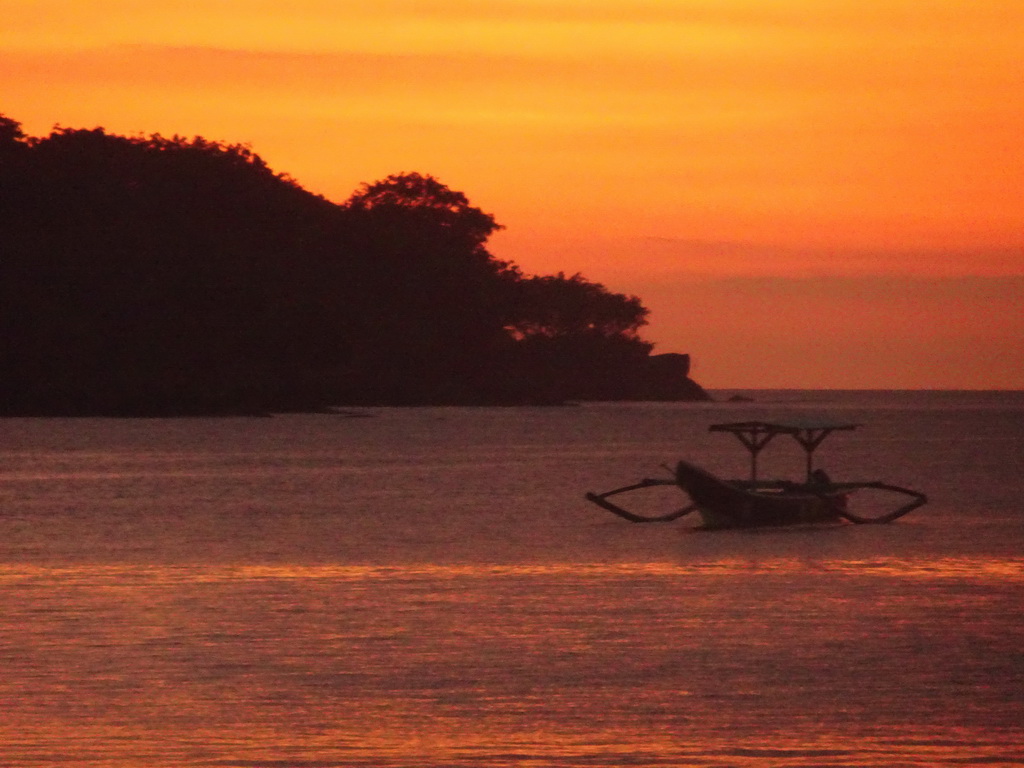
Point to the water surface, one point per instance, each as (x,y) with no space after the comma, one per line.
(427,587)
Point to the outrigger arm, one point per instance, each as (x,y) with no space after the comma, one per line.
(917,500)
(601,499)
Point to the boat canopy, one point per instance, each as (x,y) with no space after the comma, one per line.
(755,435)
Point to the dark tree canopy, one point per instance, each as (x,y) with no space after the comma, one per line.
(557,306)
(166,275)
(426,196)
(10,132)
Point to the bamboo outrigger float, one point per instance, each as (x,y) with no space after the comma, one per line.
(750,503)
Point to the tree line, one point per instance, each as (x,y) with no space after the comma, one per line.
(154,275)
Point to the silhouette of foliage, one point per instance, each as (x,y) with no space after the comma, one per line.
(150,275)
(560,306)
(11,134)
(447,210)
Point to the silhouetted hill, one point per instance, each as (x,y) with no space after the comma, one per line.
(147,275)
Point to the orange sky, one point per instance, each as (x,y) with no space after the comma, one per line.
(806,193)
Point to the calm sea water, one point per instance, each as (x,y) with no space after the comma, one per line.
(427,587)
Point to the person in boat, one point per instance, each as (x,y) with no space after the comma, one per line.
(819,477)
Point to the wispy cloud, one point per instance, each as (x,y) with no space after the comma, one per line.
(739,259)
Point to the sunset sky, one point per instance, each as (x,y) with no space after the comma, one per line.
(805,193)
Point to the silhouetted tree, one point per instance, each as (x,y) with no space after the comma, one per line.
(442,332)
(425,198)
(165,275)
(581,340)
(560,306)
(147,270)
(11,135)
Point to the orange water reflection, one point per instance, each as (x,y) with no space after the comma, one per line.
(731,662)
(970,568)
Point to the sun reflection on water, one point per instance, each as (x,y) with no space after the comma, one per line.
(729,662)
(967,568)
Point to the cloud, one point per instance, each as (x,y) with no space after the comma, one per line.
(842,331)
(737,258)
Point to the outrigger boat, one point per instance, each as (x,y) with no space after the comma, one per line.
(749,503)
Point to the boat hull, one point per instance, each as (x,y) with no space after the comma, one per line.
(785,510)
(723,504)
